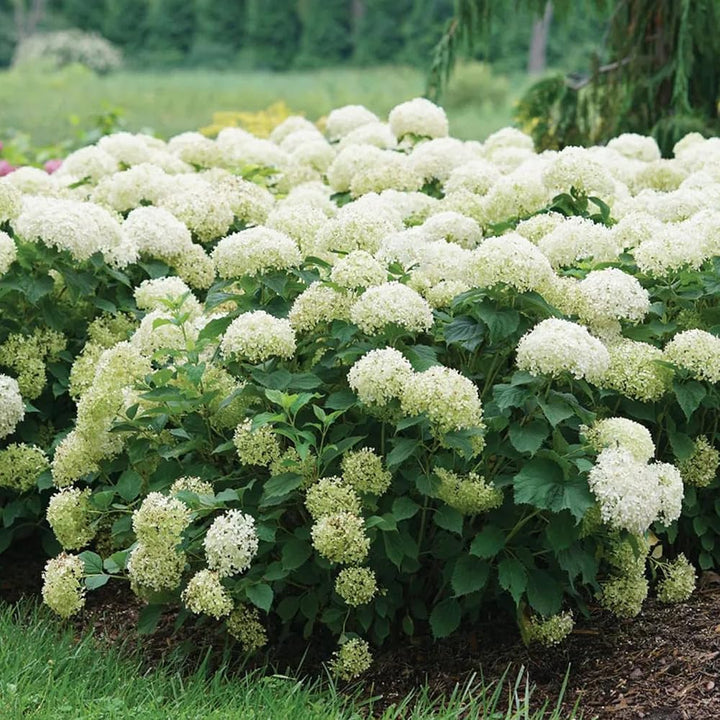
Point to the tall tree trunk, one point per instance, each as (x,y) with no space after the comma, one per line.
(537,57)
(27,16)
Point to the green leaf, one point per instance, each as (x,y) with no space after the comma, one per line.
(501,323)
(129,485)
(509,396)
(92,582)
(341,400)
(214,328)
(689,395)
(279,486)
(544,593)
(93,562)
(512,576)
(403,448)
(561,532)
(294,553)
(404,508)
(555,409)
(445,618)
(466,332)
(261,595)
(449,518)
(488,542)
(469,575)
(542,484)
(148,619)
(421,357)
(529,438)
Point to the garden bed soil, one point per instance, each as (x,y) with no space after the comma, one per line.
(662,665)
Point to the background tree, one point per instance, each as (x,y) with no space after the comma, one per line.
(219,31)
(124,22)
(170,29)
(272,33)
(378,33)
(660,72)
(325,37)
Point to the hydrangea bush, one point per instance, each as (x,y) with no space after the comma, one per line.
(372,380)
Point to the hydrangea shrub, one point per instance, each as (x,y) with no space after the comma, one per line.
(373,380)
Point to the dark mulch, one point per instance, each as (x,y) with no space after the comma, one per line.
(663,665)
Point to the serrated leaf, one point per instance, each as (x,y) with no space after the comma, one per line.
(445,618)
(129,485)
(512,576)
(488,542)
(404,508)
(528,438)
(542,484)
(469,575)
(294,553)
(403,448)
(509,396)
(544,593)
(214,329)
(92,582)
(689,396)
(421,357)
(449,518)
(148,619)
(281,485)
(261,595)
(92,561)
(465,331)
(555,410)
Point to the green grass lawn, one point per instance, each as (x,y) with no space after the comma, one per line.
(47,673)
(42,103)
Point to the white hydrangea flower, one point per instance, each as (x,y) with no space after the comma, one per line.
(358,269)
(255,250)
(81,228)
(574,167)
(240,148)
(555,346)
(248,202)
(130,149)
(418,117)
(392,303)
(697,351)
(477,177)
(150,294)
(436,159)
(613,294)
(206,212)
(635,228)
(257,336)
(636,147)
(518,194)
(88,162)
(195,149)
(302,222)
(34,181)
(509,259)
(454,227)
(380,376)
(157,232)
(344,120)
(671,489)
(231,543)
(292,124)
(373,133)
(577,239)
(319,304)
(450,400)
(204,594)
(628,493)
(622,433)
(390,171)
(351,161)
(8,252)
(413,207)
(10,200)
(128,189)
(507,137)
(12,407)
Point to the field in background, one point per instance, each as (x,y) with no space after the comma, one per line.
(42,103)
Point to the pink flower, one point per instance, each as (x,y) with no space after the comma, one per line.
(6,168)
(52,165)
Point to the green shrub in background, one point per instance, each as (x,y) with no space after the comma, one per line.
(67,47)
(368,384)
